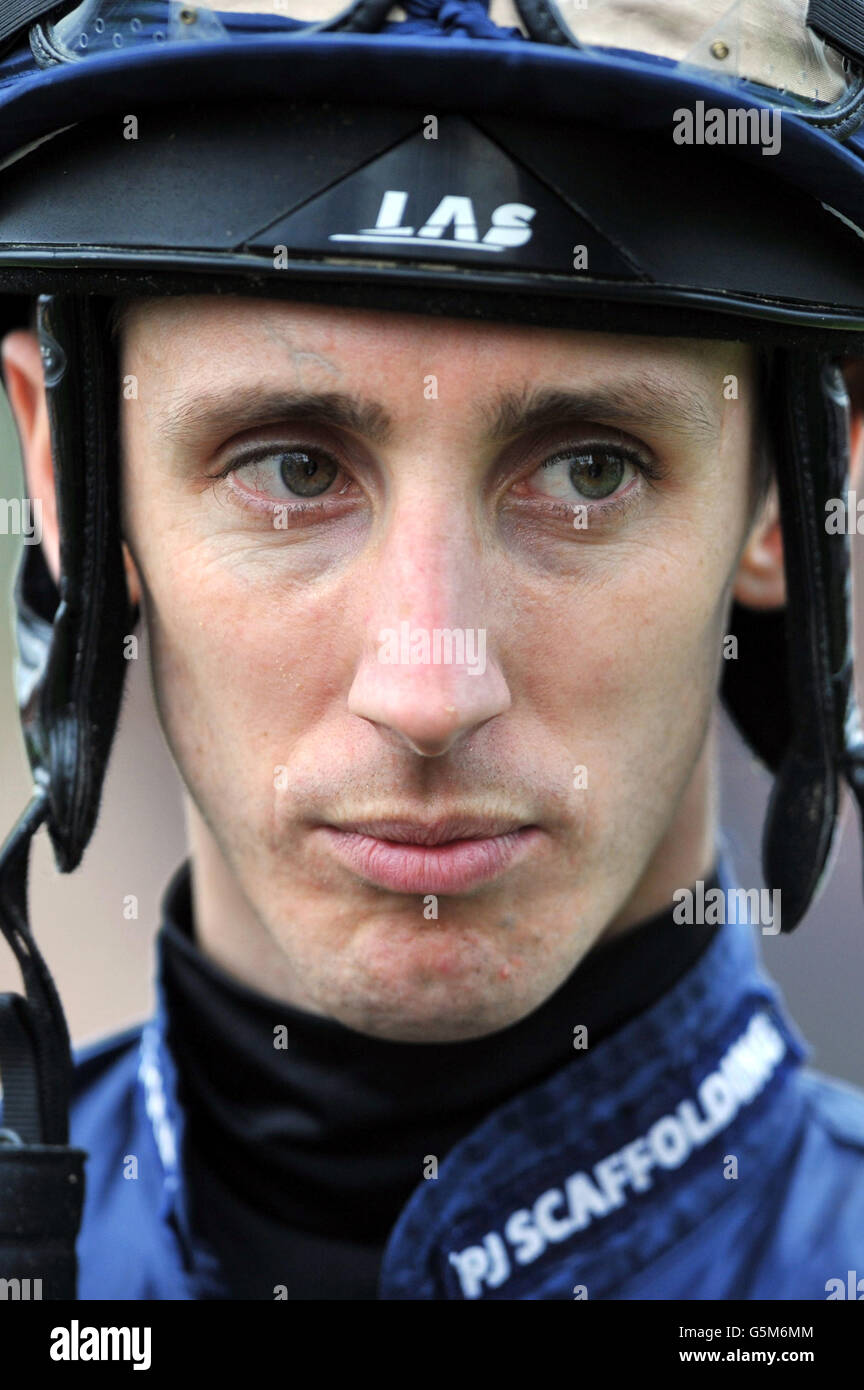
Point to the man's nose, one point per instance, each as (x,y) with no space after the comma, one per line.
(429,669)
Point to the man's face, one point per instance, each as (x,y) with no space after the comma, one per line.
(310,494)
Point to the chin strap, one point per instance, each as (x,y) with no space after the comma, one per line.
(41,1178)
(810,416)
(70,678)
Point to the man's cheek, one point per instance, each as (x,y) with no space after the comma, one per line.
(646,683)
(235,697)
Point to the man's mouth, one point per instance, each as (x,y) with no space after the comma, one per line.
(444,856)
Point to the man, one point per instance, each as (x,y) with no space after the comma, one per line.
(438,612)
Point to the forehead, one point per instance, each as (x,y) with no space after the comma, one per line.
(224,330)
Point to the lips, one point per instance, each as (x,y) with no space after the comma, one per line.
(447,856)
(408,832)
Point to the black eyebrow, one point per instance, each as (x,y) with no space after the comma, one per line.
(642,400)
(217,413)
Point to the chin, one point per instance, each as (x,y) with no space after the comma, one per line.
(441,1026)
(450,998)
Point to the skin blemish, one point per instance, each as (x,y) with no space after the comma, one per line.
(510,966)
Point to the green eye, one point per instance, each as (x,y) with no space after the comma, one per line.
(597,475)
(305,474)
(587,474)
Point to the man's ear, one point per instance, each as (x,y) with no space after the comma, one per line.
(25,387)
(854,375)
(22,371)
(761,582)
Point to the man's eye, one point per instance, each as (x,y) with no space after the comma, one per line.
(588,474)
(291,472)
